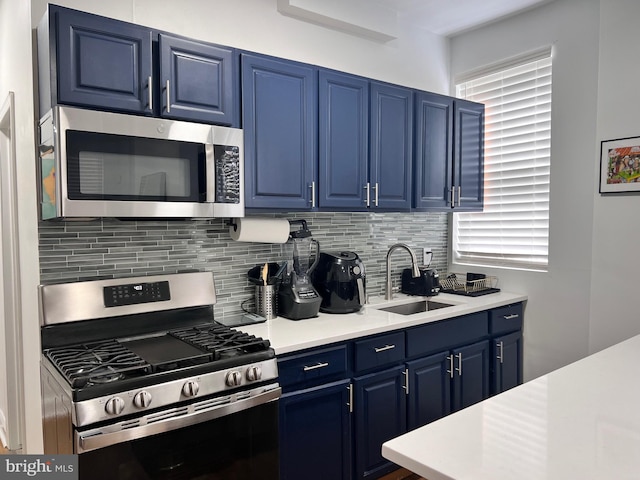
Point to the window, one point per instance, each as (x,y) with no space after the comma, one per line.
(513,229)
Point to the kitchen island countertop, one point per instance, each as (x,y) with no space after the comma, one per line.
(288,336)
(579,422)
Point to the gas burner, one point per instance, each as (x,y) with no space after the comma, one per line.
(222,341)
(96,363)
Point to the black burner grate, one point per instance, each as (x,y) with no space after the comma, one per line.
(222,341)
(96,363)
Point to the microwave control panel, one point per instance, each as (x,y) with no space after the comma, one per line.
(227,162)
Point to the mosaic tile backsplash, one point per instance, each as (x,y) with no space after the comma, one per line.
(73,251)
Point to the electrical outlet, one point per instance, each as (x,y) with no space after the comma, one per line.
(427,254)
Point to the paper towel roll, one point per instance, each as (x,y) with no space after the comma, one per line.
(263,230)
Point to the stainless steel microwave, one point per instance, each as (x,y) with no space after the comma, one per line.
(101,164)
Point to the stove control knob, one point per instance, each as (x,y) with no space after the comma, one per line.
(190,388)
(234,378)
(142,399)
(254,373)
(114,406)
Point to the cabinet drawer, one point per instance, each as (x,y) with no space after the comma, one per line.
(311,366)
(379,351)
(446,334)
(506,319)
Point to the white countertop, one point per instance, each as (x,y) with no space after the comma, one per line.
(288,336)
(579,422)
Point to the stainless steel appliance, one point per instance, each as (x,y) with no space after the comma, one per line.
(426,284)
(340,279)
(297,299)
(141,382)
(101,164)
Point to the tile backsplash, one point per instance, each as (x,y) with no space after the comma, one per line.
(73,251)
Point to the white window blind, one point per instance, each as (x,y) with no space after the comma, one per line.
(513,229)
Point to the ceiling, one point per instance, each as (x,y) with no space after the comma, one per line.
(448,17)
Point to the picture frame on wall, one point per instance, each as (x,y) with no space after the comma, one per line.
(620,165)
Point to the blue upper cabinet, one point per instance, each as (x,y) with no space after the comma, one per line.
(433,176)
(343,140)
(391,152)
(449,143)
(280,118)
(101,62)
(468,154)
(365,135)
(197,81)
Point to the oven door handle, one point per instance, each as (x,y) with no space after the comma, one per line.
(166,421)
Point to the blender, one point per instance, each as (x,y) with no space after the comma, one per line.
(297,299)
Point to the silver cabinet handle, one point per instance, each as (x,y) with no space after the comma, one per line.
(459,368)
(382,349)
(510,317)
(375,197)
(314,367)
(500,356)
(350,403)
(367,189)
(459,195)
(168,93)
(312,201)
(452,194)
(450,371)
(406,381)
(150,90)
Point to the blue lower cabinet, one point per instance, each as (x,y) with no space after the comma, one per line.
(470,375)
(315,433)
(380,415)
(506,362)
(429,390)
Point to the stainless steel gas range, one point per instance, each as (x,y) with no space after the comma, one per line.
(141,382)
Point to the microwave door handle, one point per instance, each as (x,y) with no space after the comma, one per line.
(210,165)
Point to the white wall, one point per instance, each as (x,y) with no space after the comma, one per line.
(16,76)
(616,229)
(557,313)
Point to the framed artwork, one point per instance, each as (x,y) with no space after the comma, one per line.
(620,165)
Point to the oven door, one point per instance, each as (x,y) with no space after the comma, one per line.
(236,441)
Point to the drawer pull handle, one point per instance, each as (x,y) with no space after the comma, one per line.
(500,346)
(350,402)
(314,367)
(382,349)
(511,317)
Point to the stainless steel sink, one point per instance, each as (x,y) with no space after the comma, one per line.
(416,307)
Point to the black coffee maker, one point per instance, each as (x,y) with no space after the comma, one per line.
(340,280)
(297,299)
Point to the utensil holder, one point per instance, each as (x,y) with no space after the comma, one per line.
(266,301)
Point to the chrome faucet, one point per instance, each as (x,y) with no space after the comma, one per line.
(414,267)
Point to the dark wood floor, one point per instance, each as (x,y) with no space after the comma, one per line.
(402,474)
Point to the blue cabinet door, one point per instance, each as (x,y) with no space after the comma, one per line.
(380,403)
(471,375)
(468,169)
(433,168)
(102,62)
(391,146)
(429,389)
(507,362)
(315,433)
(343,140)
(279,111)
(197,81)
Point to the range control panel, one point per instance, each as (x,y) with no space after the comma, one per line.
(135,293)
